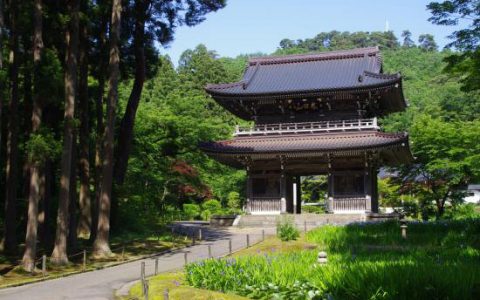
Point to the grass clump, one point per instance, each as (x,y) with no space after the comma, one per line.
(286,229)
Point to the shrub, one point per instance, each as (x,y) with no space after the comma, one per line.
(313,209)
(191,211)
(286,230)
(233,200)
(462,211)
(213,206)
(209,208)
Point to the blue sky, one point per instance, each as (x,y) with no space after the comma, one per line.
(249,26)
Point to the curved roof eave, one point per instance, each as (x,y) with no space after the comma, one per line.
(216,92)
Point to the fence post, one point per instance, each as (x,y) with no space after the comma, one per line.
(142,271)
(84,260)
(185,257)
(193,237)
(200,234)
(145,289)
(156,266)
(165,294)
(305,226)
(248,240)
(229,246)
(209,251)
(263,235)
(44,265)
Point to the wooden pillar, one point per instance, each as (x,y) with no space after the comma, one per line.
(283,192)
(249,194)
(374,174)
(299,194)
(330,193)
(367,180)
(295,195)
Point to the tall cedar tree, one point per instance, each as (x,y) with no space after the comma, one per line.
(9,243)
(85,219)
(59,254)
(2,82)
(35,172)
(100,127)
(101,246)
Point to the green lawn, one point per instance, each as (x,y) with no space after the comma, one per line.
(177,290)
(366,261)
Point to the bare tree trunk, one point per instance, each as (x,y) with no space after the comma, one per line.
(101,246)
(35,172)
(100,129)
(47,180)
(128,121)
(2,85)
(59,254)
(72,207)
(85,219)
(9,244)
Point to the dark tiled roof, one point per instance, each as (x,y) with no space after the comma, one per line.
(357,69)
(308,142)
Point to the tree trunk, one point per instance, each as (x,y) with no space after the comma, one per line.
(46,186)
(59,254)
(72,207)
(9,243)
(128,121)
(2,84)
(101,247)
(85,219)
(35,176)
(100,128)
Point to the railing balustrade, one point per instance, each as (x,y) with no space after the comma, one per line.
(349,204)
(262,204)
(307,127)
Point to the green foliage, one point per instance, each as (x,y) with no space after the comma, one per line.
(336,40)
(286,229)
(191,211)
(388,193)
(439,260)
(465,64)
(313,209)
(211,207)
(463,211)
(427,42)
(42,146)
(314,188)
(233,200)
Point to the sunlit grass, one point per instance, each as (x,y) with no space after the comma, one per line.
(177,290)
(365,261)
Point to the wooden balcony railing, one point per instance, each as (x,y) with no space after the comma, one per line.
(307,127)
(265,204)
(349,204)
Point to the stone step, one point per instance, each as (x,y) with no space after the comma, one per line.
(299,220)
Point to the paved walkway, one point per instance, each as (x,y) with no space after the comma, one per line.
(101,284)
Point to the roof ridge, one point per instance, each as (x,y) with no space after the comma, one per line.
(337,54)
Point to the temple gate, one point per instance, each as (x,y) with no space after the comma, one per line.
(312,114)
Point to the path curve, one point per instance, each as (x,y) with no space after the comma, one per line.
(101,284)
